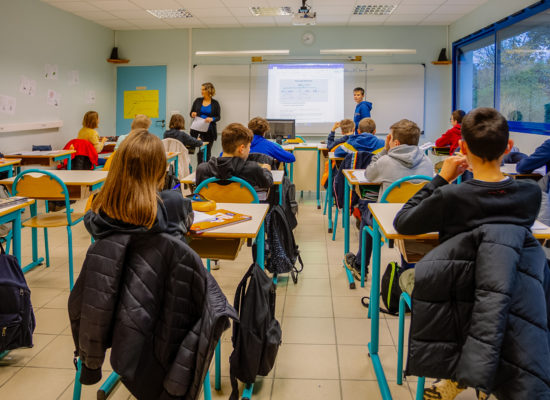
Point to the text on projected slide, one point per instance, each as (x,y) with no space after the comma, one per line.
(308,93)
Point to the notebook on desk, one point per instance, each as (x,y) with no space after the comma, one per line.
(217,218)
(12,201)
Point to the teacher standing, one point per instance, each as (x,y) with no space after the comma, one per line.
(209,109)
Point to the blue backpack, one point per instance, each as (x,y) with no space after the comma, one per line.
(16,316)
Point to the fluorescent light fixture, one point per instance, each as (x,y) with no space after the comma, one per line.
(243,53)
(270,11)
(170,14)
(374,9)
(371,52)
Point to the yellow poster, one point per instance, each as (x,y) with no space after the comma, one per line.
(141,102)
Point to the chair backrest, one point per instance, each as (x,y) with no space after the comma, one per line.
(41,185)
(109,161)
(297,139)
(173,145)
(237,191)
(402,189)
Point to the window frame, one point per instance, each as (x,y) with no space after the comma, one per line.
(492,30)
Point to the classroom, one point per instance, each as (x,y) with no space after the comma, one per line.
(424,70)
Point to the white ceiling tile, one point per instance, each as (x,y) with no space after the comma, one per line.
(456,9)
(283,20)
(149,23)
(185,23)
(117,25)
(244,3)
(436,2)
(318,3)
(132,14)
(210,12)
(330,11)
(403,19)
(109,5)
(157,4)
(285,3)
(423,9)
(201,3)
(332,19)
(367,19)
(256,21)
(240,11)
(441,19)
(95,15)
(220,21)
(74,6)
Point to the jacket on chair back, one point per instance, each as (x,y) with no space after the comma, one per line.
(146,295)
(481,313)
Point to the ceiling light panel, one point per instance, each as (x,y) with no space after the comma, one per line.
(170,14)
(270,11)
(380,9)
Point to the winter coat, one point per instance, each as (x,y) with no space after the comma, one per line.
(450,138)
(398,162)
(186,139)
(146,295)
(357,160)
(226,167)
(481,313)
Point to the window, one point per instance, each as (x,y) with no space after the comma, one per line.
(507,66)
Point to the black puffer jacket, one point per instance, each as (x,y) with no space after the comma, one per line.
(146,295)
(481,313)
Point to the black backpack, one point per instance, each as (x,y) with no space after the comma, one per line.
(16,316)
(257,335)
(281,250)
(390,291)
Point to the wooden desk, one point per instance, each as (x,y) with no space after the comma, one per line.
(313,146)
(510,170)
(80,184)
(47,158)
(7,164)
(383,216)
(330,189)
(172,157)
(108,147)
(13,214)
(351,181)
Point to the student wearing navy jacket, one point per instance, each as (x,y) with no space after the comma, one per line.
(259,127)
(362,109)
(540,157)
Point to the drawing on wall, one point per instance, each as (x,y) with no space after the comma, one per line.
(7,104)
(141,102)
(53,98)
(50,71)
(27,86)
(74,77)
(90,97)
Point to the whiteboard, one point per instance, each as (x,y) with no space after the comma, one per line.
(397,91)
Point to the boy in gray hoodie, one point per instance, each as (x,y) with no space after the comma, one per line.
(400,157)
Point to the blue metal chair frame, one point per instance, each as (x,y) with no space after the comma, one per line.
(260,241)
(406,299)
(70,223)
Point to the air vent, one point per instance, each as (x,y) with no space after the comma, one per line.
(270,11)
(385,9)
(171,14)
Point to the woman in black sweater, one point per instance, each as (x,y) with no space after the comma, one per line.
(209,109)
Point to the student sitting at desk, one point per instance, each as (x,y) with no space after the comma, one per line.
(452,136)
(260,144)
(491,278)
(176,131)
(141,121)
(88,132)
(347,126)
(364,141)
(236,140)
(539,158)
(400,157)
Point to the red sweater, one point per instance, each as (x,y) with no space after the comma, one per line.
(450,138)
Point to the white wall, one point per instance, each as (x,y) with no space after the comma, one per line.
(34,34)
(488,13)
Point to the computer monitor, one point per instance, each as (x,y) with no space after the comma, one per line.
(282,128)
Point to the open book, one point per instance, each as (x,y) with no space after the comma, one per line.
(216,219)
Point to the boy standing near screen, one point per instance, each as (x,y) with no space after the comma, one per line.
(362,109)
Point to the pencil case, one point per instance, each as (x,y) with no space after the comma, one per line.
(201,203)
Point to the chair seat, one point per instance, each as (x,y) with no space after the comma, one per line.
(51,220)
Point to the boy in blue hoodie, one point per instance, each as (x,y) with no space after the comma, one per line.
(364,141)
(260,144)
(362,109)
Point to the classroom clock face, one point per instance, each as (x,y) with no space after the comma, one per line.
(308,38)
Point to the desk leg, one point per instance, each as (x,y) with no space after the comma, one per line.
(218,361)
(10,172)
(35,260)
(375,314)
(247,392)
(16,229)
(260,246)
(69,166)
(345,219)
(318,179)
(280,189)
(329,196)
(292,171)
(204,154)
(176,167)
(206,387)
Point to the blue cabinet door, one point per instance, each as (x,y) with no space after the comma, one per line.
(141,90)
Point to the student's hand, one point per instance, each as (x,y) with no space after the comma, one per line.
(266,166)
(193,114)
(453,167)
(335,126)
(209,119)
(103,139)
(387,143)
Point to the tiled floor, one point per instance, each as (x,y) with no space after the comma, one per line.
(325,330)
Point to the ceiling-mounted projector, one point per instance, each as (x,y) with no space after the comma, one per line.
(304,16)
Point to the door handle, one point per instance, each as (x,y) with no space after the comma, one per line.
(161,123)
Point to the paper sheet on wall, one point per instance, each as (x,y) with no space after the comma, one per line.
(50,71)
(90,97)
(74,77)
(141,102)
(53,98)
(7,105)
(27,86)
(199,124)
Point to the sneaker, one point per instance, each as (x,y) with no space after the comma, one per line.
(444,389)
(350,262)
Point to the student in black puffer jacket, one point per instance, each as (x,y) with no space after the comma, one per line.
(177,125)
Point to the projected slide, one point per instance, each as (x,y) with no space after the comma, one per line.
(308,93)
